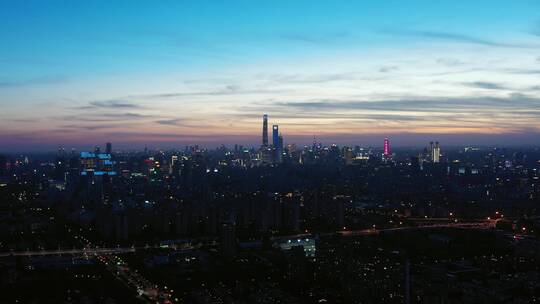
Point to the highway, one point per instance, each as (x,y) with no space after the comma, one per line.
(486,224)
(89,250)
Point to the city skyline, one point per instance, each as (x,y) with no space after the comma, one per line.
(254,152)
(177,74)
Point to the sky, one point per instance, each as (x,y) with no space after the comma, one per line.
(172,73)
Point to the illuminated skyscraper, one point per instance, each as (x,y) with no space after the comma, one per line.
(265,131)
(277,143)
(386,152)
(436,153)
(275,136)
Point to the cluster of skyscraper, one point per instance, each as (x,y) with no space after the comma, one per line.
(97,163)
(274,152)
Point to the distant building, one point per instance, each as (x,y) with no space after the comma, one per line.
(96,164)
(228,239)
(435,152)
(280,148)
(265,131)
(277,142)
(275,135)
(386,151)
(3,165)
(307,243)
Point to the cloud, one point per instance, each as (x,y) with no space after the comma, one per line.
(224,91)
(486,85)
(523,71)
(515,103)
(456,37)
(386,69)
(317,78)
(87,127)
(114,104)
(44,80)
(170,122)
(450,61)
(321,39)
(104,117)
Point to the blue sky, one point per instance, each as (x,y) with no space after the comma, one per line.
(168,73)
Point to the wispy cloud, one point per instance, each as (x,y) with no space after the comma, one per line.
(44,80)
(486,85)
(104,117)
(514,102)
(81,127)
(523,71)
(317,39)
(456,37)
(450,61)
(387,69)
(114,104)
(170,122)
(222,91)
(305,78)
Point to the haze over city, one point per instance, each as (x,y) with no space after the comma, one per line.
(203,72)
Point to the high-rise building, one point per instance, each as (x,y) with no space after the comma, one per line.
(277,143)
(386,151)
(108,148)
(3,165)
(275,135)
(348,155)
(279,148)
(96,164)
(265,131)
(436,153)
(173,165)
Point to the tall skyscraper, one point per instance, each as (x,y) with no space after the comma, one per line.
(108,148)
(265,131)
(386,152)
(277,143)
(279,148)
(436,154)
(275,136)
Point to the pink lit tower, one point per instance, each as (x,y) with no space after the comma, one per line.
(386,152)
